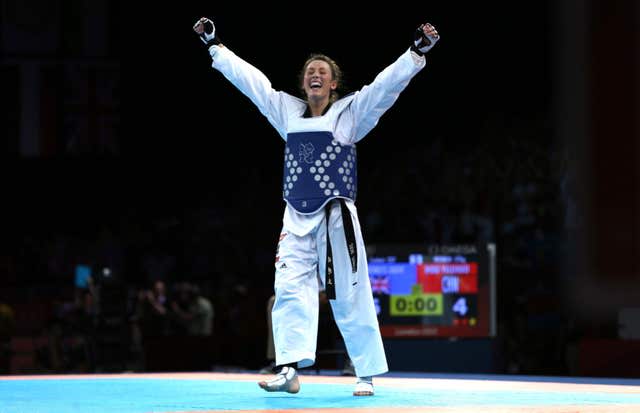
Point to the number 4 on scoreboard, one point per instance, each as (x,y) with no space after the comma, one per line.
(460,306)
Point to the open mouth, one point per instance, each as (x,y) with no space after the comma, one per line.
(315,84)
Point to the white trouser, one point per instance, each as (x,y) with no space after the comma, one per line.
(295,312)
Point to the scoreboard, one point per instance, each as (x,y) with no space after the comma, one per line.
(434,290)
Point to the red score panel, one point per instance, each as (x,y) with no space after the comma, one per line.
(454,278)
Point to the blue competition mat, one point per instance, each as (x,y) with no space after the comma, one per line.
(142,395)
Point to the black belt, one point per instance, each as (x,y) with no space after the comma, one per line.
(350,236)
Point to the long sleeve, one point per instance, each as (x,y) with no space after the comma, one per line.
(373,100)
(274,105)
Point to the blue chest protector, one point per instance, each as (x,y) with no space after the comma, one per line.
(317,169)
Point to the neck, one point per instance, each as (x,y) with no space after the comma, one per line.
(317,107)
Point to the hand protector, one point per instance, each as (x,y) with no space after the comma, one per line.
(207,31)
(426,37)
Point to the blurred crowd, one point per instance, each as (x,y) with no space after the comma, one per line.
(207,270)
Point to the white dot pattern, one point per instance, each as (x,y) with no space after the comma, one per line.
(330,168)
(322,167)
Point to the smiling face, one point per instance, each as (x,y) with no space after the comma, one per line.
(318,81)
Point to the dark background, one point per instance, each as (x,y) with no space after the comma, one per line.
(124,148)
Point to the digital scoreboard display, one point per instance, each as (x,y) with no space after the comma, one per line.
(434,290)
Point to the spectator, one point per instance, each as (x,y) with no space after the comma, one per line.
(192,311)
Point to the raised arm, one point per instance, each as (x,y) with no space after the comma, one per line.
(373,100)
(273,104)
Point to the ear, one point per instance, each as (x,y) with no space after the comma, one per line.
(334,85)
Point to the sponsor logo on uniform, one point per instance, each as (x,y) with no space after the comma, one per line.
(306,152)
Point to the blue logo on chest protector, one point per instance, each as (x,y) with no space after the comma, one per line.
(317,169)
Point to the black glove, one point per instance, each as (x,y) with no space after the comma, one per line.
(207,31)
(426,37)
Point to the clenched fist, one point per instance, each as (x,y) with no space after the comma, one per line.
(207,31)
(426,37)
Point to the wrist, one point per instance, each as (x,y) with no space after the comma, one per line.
(418,58)
(415,50)
(213,42)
